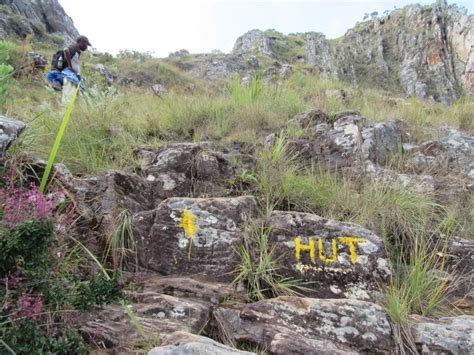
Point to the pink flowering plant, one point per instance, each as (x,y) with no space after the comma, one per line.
(19,205)
(44,283)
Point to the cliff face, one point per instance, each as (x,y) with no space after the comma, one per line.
(19,18)
(425,51)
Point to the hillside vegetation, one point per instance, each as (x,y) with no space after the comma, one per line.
(179,195)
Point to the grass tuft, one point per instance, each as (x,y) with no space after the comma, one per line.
(121,242)
(258,269)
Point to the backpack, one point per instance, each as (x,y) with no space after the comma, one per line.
(59,59)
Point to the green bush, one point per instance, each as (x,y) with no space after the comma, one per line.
(27,245)
(28,337)
(97,291)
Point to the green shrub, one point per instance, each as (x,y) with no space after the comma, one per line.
(29,337)
(99,290)
(26,245)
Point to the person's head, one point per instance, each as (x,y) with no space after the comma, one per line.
(82,43)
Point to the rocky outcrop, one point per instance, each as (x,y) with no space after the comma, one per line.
(226,66)
(333,259)
(10,129)
(292,325)
(254,42)
(40,17)
(182,343)
(161,306)
(426,51)
(343,140)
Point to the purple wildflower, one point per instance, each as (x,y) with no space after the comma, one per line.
(20,205)
(28,306)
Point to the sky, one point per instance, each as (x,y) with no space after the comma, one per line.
(164,26)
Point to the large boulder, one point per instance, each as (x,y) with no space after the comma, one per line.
(336,259)
(10,129)
(293,325)
(188,236)
(182,343)
(450,335)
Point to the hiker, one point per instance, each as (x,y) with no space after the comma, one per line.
(65,71)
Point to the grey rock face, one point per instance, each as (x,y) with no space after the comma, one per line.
(190,236)
(450,335)
(101,199)
(224,66)
(336,259)
(380,141)
(293,325)
(188,169)
(331,145)
(454,151)
(26,17)
(10,129)
(344,141)
(182,343)
(253,42)
(321,54)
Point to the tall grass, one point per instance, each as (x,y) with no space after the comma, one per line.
(421,285)
(322,192)
(110,123)
(273,166)
(396,212)
(418,286)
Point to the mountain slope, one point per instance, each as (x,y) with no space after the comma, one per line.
(424,51)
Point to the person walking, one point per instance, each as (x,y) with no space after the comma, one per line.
(65,73)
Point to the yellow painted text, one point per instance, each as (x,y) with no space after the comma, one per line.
(350,242)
